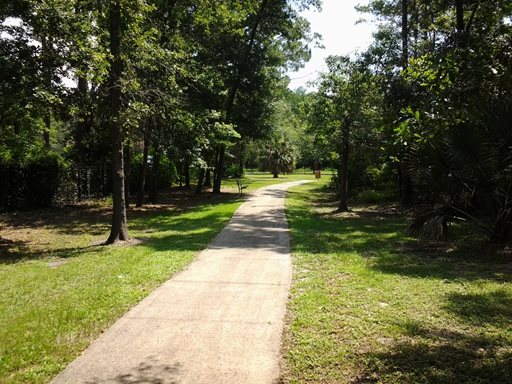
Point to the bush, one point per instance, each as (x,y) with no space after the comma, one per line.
(371,197)
(42,179)
(233,171)
(12,192)
(35,183)
(168,173)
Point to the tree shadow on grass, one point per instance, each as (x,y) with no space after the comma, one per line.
(380,237)
(179,234)
(93,219)
(324,233)
(21,253)
(453,268)
(481,309)
(429,355)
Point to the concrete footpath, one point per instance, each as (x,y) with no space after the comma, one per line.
(219,321)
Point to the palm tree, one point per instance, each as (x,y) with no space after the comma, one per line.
(466,174)
(279,156)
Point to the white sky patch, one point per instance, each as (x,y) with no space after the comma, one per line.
(12,22)
(341,36)
(9,22)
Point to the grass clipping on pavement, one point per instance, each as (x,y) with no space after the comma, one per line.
(370,305)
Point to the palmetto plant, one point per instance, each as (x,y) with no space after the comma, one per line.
(466,174)
(278,156)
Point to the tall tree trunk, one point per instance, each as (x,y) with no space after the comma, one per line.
(343,176)
(155,177)
(47,128)
(45,48)
(143,168)
(459,15)
(241,159)
(84,126)
(415,32)
(200,180)
(119,230)
(240,72)
(208,178)
(406,182)
(405,33)
(127,175)
(219,169)
(186,170)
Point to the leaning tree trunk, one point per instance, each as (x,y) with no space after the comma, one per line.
(119,230)
(343,172)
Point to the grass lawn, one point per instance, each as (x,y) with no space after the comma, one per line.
(254,180)
(370,305)
(59,291)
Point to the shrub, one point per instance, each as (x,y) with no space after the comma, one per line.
(371,197)
(40,182)
(12,193)
(42,179)
(233,171)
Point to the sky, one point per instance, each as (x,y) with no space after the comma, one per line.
(341,36)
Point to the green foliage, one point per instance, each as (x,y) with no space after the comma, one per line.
(370,197)
(469,175)
(277,157)
(233,171)
(42,176)
(444,109)
(39,182)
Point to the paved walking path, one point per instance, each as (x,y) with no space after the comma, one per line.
(219,321)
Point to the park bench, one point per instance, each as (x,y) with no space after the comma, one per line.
(240,186)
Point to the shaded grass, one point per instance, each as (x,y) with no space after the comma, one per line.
(370,305)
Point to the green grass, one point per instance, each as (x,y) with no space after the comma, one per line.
(58,296)
(369,305)
(255,180)
(59,291)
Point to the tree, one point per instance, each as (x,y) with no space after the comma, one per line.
(439,108)
(119,230)
(344,103)
(278,156)
(259,53)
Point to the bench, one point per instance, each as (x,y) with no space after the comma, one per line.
(240,186)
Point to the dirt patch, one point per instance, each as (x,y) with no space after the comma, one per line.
(57,263)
